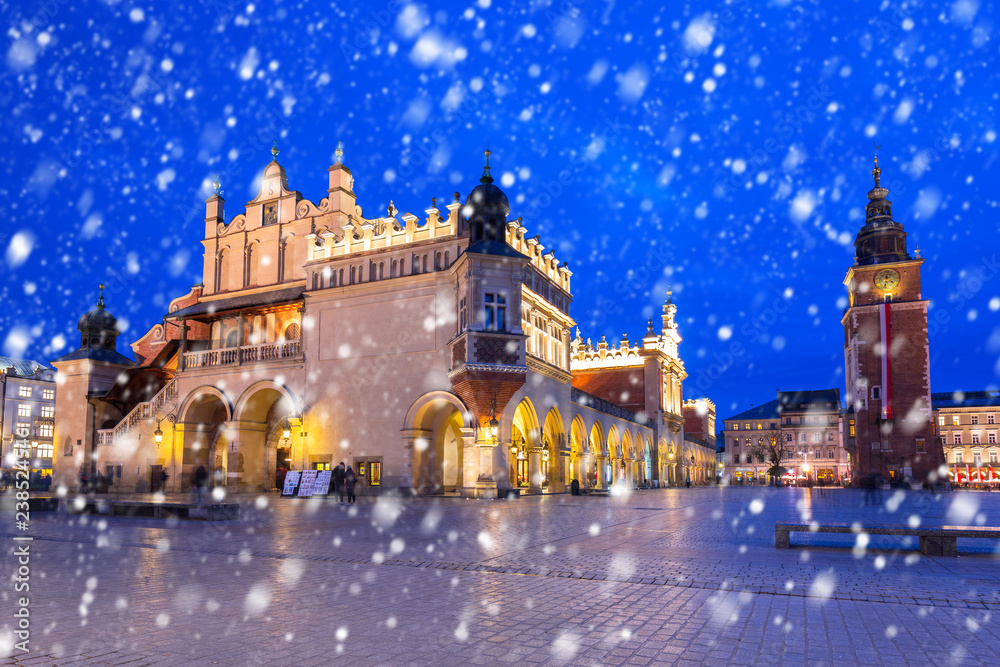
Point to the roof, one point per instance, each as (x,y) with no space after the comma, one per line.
(97,354)
(791,401)
(21,366)
(964,399)
(237,302)
(495,248)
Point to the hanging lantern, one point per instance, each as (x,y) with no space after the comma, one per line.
(494,427)
(158,434)
(286,430)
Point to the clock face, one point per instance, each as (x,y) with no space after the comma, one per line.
(886,279)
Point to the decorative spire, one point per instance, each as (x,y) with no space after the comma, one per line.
(100,299)
(487,178)
(216,184)
(917,251)
(876,172)
(649,328)
(274,150)
(670,293)
(391,210)
(339,152)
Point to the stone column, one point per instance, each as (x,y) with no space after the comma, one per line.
(246,455)
(534,470)
(416,443)
(183,345)
(477,474)
(240,340)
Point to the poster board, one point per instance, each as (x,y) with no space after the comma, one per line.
(291,482)
(322,485)
(307,483)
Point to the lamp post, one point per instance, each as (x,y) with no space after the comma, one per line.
(805,464)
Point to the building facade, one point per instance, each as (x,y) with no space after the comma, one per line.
(809,425)
(27,411)
(886,353)
(966,426)
(432,355)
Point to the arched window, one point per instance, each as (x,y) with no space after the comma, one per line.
(222,274)
(883,244)
(371,271)
(392,269)
(437,261)
(285,261)
(340,279)
(424,268)
(232,339)
(415,262)
(381,270)
(292,331)
(446,262)
(866,248)
(353,272)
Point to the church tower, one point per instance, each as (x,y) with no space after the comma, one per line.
(888,424)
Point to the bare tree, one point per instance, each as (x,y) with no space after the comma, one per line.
(769,447)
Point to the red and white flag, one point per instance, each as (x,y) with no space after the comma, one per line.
(886,331)
(968,473)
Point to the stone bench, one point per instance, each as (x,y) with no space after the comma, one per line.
(207,511)
(934,540)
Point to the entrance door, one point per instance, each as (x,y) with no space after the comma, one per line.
(522,472)
(155,481)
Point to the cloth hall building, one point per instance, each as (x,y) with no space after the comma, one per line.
(432,354)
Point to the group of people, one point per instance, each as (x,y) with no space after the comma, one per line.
(344,480)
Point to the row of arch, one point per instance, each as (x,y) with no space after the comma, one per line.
(539,455)
(252,258)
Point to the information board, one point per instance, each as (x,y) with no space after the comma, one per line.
(291,481)
(307,483)
(322,486)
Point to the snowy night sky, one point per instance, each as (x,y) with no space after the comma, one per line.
(722,148)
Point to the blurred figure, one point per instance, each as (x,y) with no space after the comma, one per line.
(338,480)
(350,481)
(199,478)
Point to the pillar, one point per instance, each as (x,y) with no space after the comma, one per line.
(416,449)
(246,455)
(534,470)
(477,460)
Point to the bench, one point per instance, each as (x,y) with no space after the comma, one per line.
(207,511)
(934,540)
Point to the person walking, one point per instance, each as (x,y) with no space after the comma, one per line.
(199,479)
(338,480)
(350,481)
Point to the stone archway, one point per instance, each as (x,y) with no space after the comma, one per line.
(552,463)
(202,433)
(265,413)
(578,456)
(599,451)
(437,431)
(525,455)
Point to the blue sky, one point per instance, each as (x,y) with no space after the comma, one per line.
(723,149)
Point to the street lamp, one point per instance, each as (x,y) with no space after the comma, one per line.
(286,430)
(158,434)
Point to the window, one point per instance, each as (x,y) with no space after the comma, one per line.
(746,427)
(989,419)
(829,436)
(819,453)
(993,457)
(875,393)
(817,437)
(50,395)
(736,457)
(941,420)
(789,437)
(977,459)
(23,409)
(850,427)
(975,438)
(958,438)
(375,473)
(760,427)
(746,443)
(48,411)
(44,450)
(991,437)
(788,421)
(68,449)
(774,426)
(829,453)
(461,314)
(736,427)
(802,437)
(954,420)
(24,392)
(959,458)
(975,419)
(876,445)
(496,311)
(45,430)
(920,445)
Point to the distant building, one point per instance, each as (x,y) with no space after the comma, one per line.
(27,405)
(966,426)
(810,428)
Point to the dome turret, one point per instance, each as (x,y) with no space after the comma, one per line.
(882,239)
(488,208)
(98,328)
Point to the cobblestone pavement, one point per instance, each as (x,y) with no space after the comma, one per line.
(664,576)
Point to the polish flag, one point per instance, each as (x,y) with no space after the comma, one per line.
(968,472)
(886,331)
(993,475)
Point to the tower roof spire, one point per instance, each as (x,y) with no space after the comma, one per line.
(100,298)
(274,150)
(877,172)
(487,178)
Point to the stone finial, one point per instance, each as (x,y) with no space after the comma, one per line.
(339,152)
(100,298)
(216,185)
(275,151)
